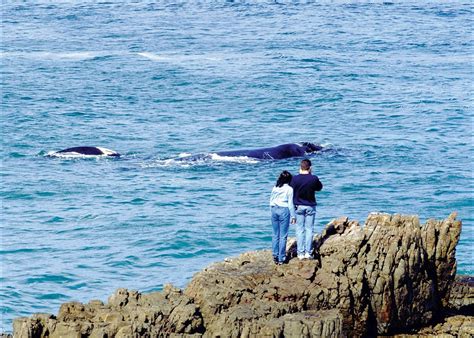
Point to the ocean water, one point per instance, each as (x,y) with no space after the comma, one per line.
(386,87)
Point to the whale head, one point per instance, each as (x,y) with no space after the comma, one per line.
(311,147)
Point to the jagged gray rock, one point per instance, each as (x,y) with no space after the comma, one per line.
(389,276)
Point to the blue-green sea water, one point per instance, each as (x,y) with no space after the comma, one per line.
(388,87)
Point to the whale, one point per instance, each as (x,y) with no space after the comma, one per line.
(279,152)
(276,153)
(84,151)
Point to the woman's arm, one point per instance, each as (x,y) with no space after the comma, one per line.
(291,206)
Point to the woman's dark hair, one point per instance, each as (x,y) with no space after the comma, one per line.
(285,177)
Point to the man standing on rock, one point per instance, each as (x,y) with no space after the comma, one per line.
(304,187)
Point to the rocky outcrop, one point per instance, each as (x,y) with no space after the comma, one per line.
(127,314)
(390,276)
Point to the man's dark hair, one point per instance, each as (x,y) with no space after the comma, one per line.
(285,177)
(305,164)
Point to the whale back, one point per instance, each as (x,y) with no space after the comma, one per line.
(82,150)
(91,151)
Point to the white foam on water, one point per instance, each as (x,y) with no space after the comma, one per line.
(236,159)
(153,57)
(207,159)
(84,55)
(49,55)
(170,57)
(169,163)
(327,145)
(73,155)
(74,55)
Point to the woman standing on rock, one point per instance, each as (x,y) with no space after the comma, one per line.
(282,208)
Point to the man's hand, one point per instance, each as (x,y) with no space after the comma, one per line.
(293,220)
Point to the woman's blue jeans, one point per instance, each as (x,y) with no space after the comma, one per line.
(280,225)
(304,228)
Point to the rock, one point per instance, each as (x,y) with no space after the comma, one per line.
(398,273)
(461,297)
(440,239)
(31,327)
(387,276)
(453,326)
(124,297)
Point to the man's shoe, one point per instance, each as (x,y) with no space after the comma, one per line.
(300,257)
(275,259)
(308,256)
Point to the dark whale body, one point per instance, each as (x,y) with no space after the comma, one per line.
(86,151)
(273,153)
(276,153)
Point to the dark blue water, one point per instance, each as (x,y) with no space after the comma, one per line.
(387,87)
